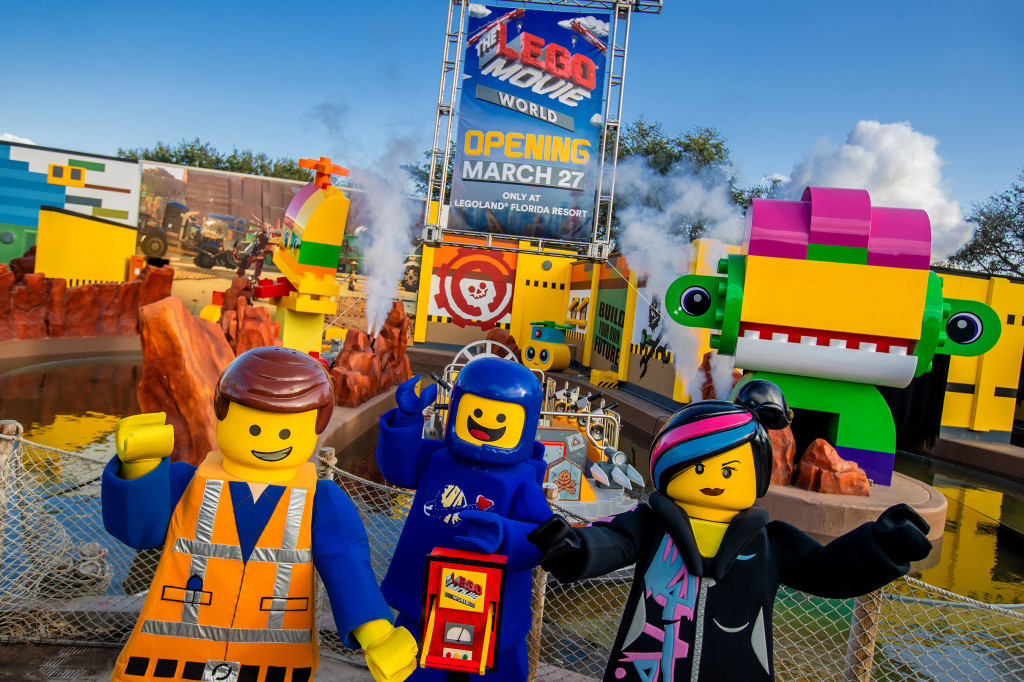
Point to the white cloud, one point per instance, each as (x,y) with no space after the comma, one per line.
(9,137)
(477,11)
(898,166)
(596,120)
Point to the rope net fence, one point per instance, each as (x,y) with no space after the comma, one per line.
(64,579)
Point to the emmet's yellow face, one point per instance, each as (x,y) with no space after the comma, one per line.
(482,421)
(723,483)
(265,446)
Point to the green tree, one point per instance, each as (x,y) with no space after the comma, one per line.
(700,149)
(419,172)
(198,154)
(997,246)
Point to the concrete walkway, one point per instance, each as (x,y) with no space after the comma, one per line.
(31,662)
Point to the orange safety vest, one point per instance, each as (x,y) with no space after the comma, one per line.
(211,616)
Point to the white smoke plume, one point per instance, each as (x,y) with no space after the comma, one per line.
(721,374)
(898,166)
(652,243)
(389,216)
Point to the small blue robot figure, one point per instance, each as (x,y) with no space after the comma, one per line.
(479,489)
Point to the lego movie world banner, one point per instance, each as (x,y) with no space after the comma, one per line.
(526,161)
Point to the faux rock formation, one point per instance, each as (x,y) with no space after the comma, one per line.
(361,371)
(28,307)
(56,307)
(241,287)
(183,356)
(821,469)
(6,284)
(247,327)
(24,265)
(783,452)
(38,306)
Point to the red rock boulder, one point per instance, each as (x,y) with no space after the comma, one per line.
(822,470)
(28,306)
(6,284)
(783,452)
(80,311)
(183,357)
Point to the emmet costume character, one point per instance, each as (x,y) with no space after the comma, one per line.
(233,594)
(479,490)
(708,561)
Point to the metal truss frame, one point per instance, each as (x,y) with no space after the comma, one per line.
(451,69)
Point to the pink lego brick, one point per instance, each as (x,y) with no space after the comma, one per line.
(900,238)
(839,217)
(778,228)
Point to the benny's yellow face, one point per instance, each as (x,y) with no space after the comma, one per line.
(266,440)
(482,421)
(726,481)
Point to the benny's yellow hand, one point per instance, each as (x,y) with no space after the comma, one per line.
(390,652)
(142,441)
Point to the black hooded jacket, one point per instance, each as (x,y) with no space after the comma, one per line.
(714,613)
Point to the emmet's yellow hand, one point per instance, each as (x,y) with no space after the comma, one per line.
(141,442)
(390,651)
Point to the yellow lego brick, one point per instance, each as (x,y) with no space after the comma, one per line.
(336,333)
(305,304)
(322,218)
(301,331)
(842,297)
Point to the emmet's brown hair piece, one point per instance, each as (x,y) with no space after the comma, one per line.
(275,379)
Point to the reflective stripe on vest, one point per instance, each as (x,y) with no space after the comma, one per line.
(212,492)
(276,601)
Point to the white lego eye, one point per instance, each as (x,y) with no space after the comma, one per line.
(695,301)
(964,328)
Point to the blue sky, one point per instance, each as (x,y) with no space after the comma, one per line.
(358,81)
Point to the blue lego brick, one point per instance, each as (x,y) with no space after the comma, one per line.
(14,185)
(17,174)
(15,165)
(26,196)
(5,151)
(29,217)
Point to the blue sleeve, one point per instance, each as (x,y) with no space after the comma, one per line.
(341,554)
(529,509)
(137,512)
(402,451)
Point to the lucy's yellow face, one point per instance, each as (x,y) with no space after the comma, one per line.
(725,482)
(482,421)
(275,441)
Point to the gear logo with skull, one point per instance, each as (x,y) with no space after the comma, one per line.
(475,288)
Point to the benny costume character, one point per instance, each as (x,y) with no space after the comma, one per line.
(233,596)
(479,489)
(708,561)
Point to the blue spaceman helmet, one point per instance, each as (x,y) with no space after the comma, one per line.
(493,414)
